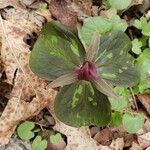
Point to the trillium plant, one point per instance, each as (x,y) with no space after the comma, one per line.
(85,73)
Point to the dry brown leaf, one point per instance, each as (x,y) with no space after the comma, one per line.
(85,6)
(145,100)
(104,136)
(144,140)
(5,88)
(137,2)
(45,13)
(136,146)
(28,96)
(147,125)
(145,6)
(117,144)
(59,9)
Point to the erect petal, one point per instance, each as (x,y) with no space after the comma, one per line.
(63,80)
(105,88)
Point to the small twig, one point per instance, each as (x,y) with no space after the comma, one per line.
(41,125)
(134,99)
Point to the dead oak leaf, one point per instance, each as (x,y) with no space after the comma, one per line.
(15,54)
(59,9)
(145,100)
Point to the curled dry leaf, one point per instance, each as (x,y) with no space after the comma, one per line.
(6,3)
(137,2)
(84,6)
(15,55)
(117,144)
(60,10)
(144,140)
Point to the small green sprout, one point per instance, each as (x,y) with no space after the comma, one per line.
(136,46)
(143,25)
(133,123)
(25,130)
(39,144)
(55,139)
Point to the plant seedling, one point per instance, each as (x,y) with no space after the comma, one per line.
(25,130)
(136,46)
(55,139)
(39,144)
(143,25)
(133,123)
(85,75)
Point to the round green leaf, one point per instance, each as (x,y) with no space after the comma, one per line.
(39,144)
(119,4)
(143,64)
(55,139)
(118,23)
(24,130)
(116,119)
(136,46)
(146,29)
(80,104)
(121,103)
(133,123)
(140,23)
(56,52)
(113,62)
(92,25)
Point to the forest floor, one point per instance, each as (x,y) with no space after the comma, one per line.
(23,95)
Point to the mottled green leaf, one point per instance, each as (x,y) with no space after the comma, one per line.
(119,4)
(81,104)
(133,123)
(113,62)
(56,52)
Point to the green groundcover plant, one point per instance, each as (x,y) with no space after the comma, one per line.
(84,73)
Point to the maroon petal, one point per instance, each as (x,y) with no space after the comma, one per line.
(87,72)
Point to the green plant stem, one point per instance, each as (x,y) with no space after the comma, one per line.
(134,99)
